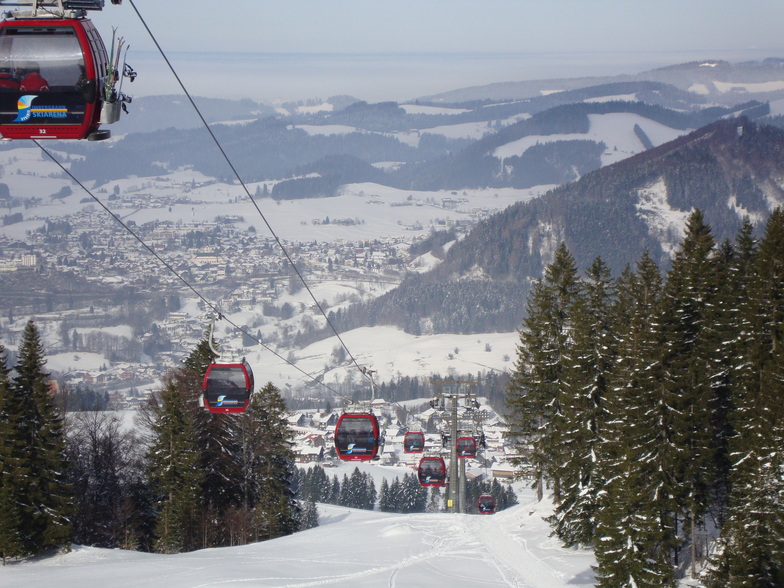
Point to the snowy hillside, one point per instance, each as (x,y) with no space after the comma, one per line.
(615,130)
(350,548)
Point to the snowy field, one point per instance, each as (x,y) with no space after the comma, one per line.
(616,130)
(393,353)
(380,211)
(356,548)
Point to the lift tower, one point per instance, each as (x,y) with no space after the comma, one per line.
(458,408)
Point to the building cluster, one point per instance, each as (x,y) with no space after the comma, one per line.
(223,255)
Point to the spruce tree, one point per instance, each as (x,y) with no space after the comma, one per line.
(434,504)
(723,316)
(585,382)
(413,495)
(11,474)
(220,456)
(534,395)
(43,493)
(383,496)
(690,348)
(314,484)
(635,533)
(334,492)
(269,473)
(395,500)
(173,470)
(309,517)
(346,497)
(751,542)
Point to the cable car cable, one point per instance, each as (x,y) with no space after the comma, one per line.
(363,371)
(168,266)
(245,188)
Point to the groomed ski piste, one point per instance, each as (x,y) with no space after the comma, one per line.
(356,548)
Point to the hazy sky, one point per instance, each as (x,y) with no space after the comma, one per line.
(456,25)
(549,38)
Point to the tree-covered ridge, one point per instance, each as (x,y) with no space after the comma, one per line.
(650,407)
(723,169)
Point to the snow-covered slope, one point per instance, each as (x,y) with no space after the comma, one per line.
(616,130)
(361,549)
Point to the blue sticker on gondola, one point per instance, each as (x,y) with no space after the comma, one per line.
(27,111)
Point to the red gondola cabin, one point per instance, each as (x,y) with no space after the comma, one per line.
(486,504)
(357,437)
(227,387)
(53,78)
(414,442)
(466,447)
(431,471)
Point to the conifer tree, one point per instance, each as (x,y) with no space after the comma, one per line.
(395,500)
(383,496)
(413,495)
(345,497)
(731,292)
(690,342)
(309,517)
(585,382)
(752,539)
(270,475)
(434,505)
(635,533)
(173,471)
(220,456)
(334,493)
(44,495)
(314,484)
(321,485)
(534,395)
(11,544)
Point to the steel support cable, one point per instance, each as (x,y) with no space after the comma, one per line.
(245,188)
(168,266)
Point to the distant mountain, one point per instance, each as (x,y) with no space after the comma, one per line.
(153,113)
(429,150)
(729,169)
(714,81)
(551,162)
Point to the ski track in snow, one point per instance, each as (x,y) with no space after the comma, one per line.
(355,548)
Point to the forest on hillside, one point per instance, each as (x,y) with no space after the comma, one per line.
(484,279)
(650,406)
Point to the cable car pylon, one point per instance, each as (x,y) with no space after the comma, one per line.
(458,408)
